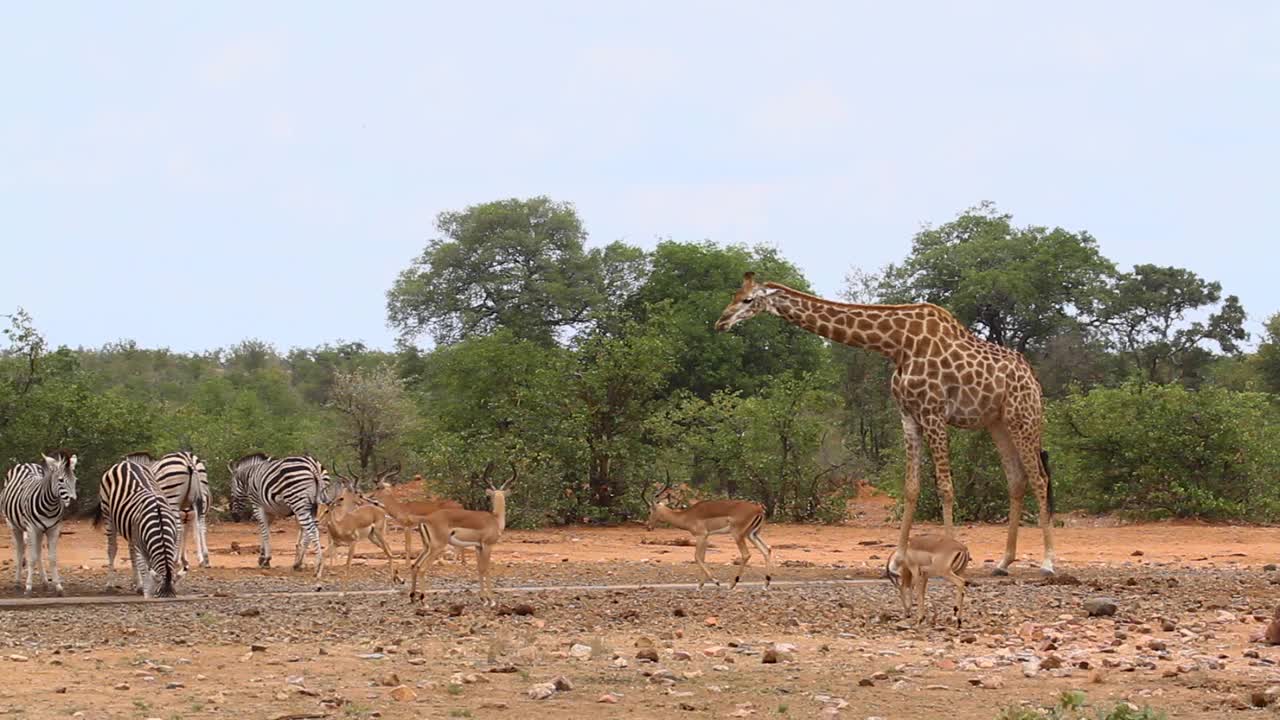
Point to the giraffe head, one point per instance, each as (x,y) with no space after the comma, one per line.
(748,301)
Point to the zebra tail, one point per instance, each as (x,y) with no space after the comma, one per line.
(170,557)
(97,514)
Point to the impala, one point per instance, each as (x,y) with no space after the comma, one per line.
(739,518)
(402,512)
(928,556)
(348,523)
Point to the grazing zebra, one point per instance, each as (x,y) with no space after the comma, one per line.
(34,500)
(133,508)
(184,482)
(277,488)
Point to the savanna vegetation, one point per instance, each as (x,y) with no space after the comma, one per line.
(599,370)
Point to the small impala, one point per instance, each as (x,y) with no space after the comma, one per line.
(739,518)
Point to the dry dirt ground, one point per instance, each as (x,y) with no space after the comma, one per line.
(1183,638)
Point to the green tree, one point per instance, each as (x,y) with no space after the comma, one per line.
(1017,287)
(1268,355)
(514,264)
(698,279)
(1144,314)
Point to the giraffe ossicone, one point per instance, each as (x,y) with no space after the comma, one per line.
(943,376)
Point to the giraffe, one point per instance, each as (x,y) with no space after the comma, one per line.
(943,375)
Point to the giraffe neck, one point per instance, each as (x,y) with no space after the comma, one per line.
(885,329)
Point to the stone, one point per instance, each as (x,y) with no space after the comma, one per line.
(1053,662)
(711,621)
(608,699)
(250,612)
(541,691)
(866,682)
(562,683)
(681,655)
(580,652)
(389,680)
(769,656)
(647,654)
(988,682)
(1100,607)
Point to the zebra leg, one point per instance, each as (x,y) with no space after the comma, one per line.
(141,577)
(180,527)
(19,553)
(264,529)
(111,555)
(202,540)
(33,558)
(52,536)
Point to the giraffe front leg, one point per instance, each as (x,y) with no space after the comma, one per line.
(911,437)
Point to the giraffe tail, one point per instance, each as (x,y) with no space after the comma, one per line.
(1048,479)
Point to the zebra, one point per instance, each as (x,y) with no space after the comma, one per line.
(183,480)
(276,488)
(133,507)
(34,501)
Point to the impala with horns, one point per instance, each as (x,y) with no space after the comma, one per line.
(739,518)
(403,512)
(475,529)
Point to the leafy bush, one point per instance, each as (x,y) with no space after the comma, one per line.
(1166,451)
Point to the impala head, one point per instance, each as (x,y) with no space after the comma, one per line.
(332,488)
(656,501)
(500,490)
(60,469)
(750,300)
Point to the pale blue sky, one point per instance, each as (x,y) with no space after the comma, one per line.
(189,178)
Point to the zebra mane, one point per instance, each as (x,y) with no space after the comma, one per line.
(251,456)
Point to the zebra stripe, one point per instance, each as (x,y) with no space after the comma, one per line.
(277,488)
(133,508)
(34,501)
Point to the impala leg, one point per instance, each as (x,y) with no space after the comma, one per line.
(699,556)
(745,554)
(754,537)
(958,608)
(482,568)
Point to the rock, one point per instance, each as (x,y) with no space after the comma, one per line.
(1168,625)
(608,699)
(257,648)
(1259,699)
(1100,607)
(769,657)
(18,658)
(1269,567)
(988,682)
(1272,634)
(580,652)
(1137,553)
(1053,662)
(880,676)
(173,686)
(562,683)
(711,621)
(866,682)
(121,686)
(389,680)
(620,663)
(541,691)
(1030,668)
(249,612)
(1157,645)
(681,655)
(647,654)
(494,705)
(969,639)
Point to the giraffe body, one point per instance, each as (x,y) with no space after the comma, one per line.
(943,376)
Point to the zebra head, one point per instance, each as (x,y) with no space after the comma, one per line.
(60,470)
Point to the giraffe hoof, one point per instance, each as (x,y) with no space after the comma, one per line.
(1000,572)
(1047,572)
